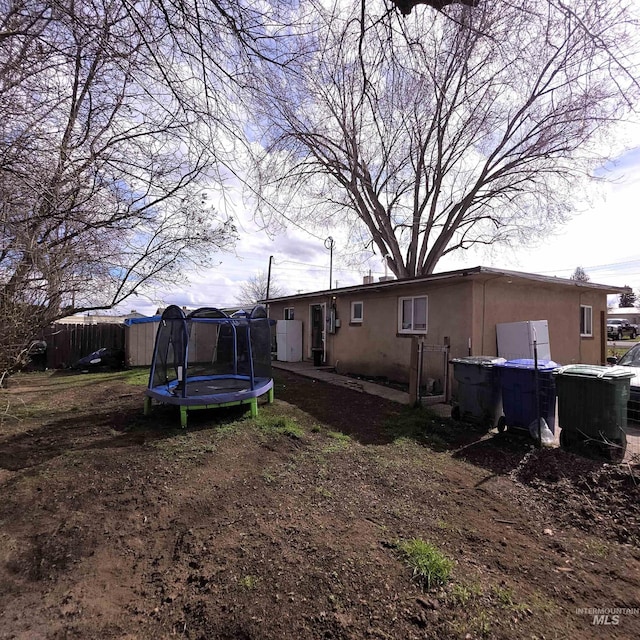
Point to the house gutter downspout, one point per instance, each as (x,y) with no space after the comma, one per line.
(484,307)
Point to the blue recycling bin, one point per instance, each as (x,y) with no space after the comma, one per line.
(518,385)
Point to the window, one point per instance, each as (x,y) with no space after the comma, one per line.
(288,313)
(357,309)
(586,321)
(412,315)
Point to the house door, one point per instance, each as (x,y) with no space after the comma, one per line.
(317,329)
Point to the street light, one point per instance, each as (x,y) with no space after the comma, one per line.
(329,244)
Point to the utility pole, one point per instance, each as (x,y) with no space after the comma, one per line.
(329,244)
(268,284)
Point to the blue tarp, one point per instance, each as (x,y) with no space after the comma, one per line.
(129,321)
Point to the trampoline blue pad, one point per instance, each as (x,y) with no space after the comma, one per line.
(211,390)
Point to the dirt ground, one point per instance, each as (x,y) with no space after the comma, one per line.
(113,525)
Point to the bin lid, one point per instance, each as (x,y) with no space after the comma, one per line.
(595,371)
(481,361)
(529,363)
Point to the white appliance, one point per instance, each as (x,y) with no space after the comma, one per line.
(515,339)
(289,340)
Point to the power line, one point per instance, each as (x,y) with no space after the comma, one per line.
(597,273)
(633,263)
(299,266)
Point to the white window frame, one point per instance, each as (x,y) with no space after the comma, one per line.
(586,321)
(411,330)
(354,319)
(288,313)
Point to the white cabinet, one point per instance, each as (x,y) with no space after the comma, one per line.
(289,340)
(515,339)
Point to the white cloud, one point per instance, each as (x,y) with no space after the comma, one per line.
(602,239)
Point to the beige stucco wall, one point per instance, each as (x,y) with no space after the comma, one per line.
(375,347)
(458,311)
(512,300)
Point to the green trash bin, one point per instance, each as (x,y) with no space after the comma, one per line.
(479,397)
(592,409)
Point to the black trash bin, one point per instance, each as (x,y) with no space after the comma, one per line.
(317,357)
(592,409)
(479,398)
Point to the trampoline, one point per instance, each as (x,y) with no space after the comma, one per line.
(208,359)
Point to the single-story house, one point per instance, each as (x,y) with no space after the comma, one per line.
(632,314)
(368,329)
(99,318)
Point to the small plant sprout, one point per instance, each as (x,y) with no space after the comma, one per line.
(282,425)
(503,595)
(339,441)
(249,582)
(338,435)
(430,567)
(463,594)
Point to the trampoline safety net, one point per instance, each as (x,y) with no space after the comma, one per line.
(209,343)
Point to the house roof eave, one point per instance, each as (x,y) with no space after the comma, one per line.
(478,272)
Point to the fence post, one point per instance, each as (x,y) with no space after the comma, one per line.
(536,383)
(447,372)
(413,373)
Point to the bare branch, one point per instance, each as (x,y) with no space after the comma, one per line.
(473,128)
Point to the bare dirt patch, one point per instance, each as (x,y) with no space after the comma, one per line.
(117,526)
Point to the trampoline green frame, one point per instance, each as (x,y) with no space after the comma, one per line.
(184,409)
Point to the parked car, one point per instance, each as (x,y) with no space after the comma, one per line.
(617,328)
(101,359)
(631,360)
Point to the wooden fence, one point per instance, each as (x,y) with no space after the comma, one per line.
(140,339)
(67,343)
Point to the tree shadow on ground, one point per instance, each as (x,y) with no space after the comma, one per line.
(499,453)
(105,428)
(372,420)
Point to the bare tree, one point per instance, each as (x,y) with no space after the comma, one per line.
(433,134)
(255,288)
(101,170)
(113,113)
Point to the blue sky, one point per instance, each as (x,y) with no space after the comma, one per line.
(602,239)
